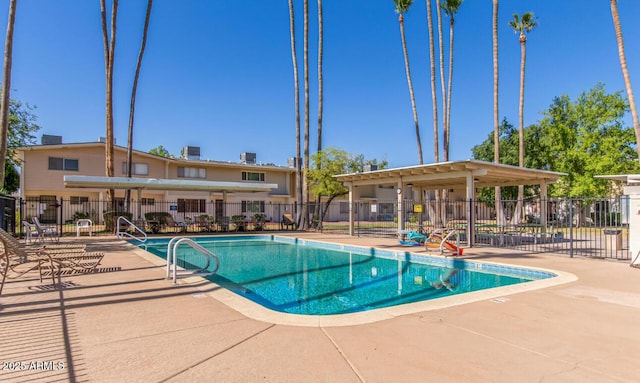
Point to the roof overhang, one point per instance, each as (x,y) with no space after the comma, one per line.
(628,178)
(452,175)
(164,184)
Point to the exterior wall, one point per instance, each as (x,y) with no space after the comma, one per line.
(41,187)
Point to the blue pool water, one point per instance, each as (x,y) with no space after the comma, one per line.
(313,278)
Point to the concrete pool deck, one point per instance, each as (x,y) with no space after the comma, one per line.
(128,324)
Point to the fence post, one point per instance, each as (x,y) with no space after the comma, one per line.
(570,227)
(470,223)
(60,215)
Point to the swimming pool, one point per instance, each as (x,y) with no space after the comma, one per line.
(306,277)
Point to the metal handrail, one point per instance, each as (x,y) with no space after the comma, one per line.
(125,233)
(445,234)
(172,255)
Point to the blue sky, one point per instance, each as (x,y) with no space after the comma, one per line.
(218,74)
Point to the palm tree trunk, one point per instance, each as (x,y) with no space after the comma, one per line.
(523,59)
(305,206)
(410,82)
(5,98)
(441,51)
(109,51)
(447,128)
(625,72)
(132,106)
(320,90)
(434,101)
(434,106)
(496,122)
(294,58)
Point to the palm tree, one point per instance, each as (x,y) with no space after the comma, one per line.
(496,120)
(522,26)
(402,6)
(305,56)
(434,100)
(320,90)
(434,105)
(132,107)
(625,71)
(450,7)
(109,50)
(6,90)
(294,58)
(443,89)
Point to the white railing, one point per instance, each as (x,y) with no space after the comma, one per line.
(441,238)
(125,230)
(172,246)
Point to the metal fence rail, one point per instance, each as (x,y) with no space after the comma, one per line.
(586,227)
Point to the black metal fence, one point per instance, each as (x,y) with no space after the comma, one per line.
(572,226)
(589,227)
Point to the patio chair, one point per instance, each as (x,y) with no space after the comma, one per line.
(223,223)
(176,223)
(15,262)
(69,255)
(44,232)
(287,222)
(203,223)
(31,233)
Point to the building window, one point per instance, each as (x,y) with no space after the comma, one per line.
(253,207)
(386,208)
(136,169)
(191,172)
(344,208)
(148,201)
(191,205)
(252,176)
(78,200)
(57,163)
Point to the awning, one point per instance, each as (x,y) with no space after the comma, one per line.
(164,184)
(450,175)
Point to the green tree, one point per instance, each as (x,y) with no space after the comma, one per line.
(326,164)
(625,71)
(11,179)
(402,6)
(21,133)
(22,129)
(587,138)
(161,151)
(582,138)
(5,95)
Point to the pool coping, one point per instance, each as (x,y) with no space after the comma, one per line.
(258,312)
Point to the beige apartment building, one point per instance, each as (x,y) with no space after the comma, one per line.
(44,167)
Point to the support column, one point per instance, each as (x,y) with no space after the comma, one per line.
(139,207)
(400,212)
(351,215)
(543,209)
(633,214)
(470,197)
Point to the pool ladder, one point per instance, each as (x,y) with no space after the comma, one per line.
(172,256)
(122,227)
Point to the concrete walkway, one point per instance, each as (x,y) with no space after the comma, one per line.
(127,324)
